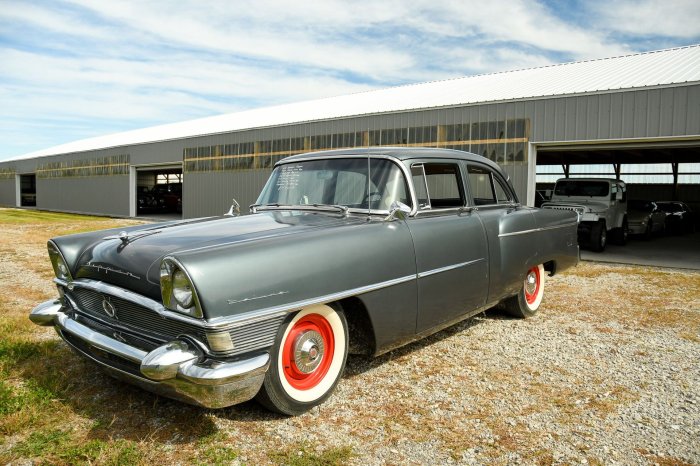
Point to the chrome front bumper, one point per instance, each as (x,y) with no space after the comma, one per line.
(177,369)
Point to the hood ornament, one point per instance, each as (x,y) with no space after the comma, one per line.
(124,237)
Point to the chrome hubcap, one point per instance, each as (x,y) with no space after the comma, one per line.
(308,351)
(531,283)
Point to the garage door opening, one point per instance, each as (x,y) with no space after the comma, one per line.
(666,175)
(28,190)
(159,193)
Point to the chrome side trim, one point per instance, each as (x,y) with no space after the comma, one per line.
(222,323)
(230,322)
(448,268)
(535,230)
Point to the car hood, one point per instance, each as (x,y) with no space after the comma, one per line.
(134,261)
(637,216)
(589,204)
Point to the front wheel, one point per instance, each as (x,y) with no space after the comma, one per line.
(528,299)
(307,361)
(599,237)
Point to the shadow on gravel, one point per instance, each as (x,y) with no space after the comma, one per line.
(116,409)
(121,411)
(358,364)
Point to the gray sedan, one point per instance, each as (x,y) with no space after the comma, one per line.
(358,251)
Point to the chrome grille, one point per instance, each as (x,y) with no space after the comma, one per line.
(147,322)
(255,335)
(131,314)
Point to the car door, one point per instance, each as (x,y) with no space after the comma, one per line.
(450,246)
(509,230)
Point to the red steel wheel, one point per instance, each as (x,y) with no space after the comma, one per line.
(533,285)
(307,352)
(528,299)
(307,362)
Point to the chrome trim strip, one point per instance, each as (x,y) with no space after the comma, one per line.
(276,311)
(448,268)
(103,342)
(230,322)
(535,230)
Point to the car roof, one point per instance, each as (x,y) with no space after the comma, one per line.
(591,179)
(401,153)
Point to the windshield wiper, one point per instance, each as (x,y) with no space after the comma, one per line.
(322,207)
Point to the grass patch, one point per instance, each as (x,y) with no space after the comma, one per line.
(306,455)
(60,447)
(19,216)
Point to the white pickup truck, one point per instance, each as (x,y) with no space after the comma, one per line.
(601,205)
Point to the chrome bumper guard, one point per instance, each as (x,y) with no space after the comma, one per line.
(177,369)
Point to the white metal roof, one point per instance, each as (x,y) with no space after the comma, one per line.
(660,68)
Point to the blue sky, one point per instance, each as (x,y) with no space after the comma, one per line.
(75,69)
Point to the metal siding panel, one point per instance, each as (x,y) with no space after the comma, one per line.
(693,122)
(680,110)
(560,118)
(581,117)
(592,130)
(604,110)
(8,193)
(536,112)
(616,116)
(653,120)
(627,116)
(550,117)
(570,117)
(101,195)
(639,117)
(666,116)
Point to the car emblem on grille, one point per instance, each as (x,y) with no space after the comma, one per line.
(108,307)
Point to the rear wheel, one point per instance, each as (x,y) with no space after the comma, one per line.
(307,361)
(620,234)
(528,299)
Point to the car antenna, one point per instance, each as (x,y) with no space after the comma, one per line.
(369,188)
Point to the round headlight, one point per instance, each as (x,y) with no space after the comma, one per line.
(62,269)
(182,289)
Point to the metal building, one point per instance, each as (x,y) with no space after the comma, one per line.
(642,108)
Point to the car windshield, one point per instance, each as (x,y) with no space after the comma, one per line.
(642,206)
(669,207)
(582,188)
(339,182)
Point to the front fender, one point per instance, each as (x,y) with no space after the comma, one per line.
(276,271)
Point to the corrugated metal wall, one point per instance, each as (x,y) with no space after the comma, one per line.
(103,195)
(648,113)
(8,192)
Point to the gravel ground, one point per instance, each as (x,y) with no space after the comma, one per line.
(606,373)
(593,378)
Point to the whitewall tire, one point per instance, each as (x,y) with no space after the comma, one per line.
(307,360)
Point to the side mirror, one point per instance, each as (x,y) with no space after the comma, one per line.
(398,210)
(618,196)
(235,209)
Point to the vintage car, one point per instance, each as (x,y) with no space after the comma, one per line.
(679,217)
(645,218)
(356,251)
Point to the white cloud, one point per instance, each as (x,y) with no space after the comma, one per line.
(670,18)
(101,67)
